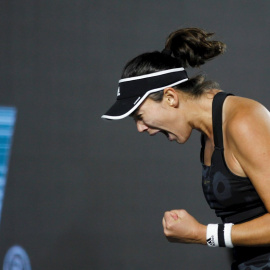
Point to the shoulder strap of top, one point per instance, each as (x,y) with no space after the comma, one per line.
(202,148)
(217,118)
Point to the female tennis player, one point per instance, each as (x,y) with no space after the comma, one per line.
(235,135)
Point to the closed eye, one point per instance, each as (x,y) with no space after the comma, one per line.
(136,117)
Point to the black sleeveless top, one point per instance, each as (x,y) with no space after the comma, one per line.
(233,198)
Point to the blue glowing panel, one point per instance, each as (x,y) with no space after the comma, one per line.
(7,122)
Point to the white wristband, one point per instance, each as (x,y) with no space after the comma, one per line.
(227,235)
(219,235)
(212,235)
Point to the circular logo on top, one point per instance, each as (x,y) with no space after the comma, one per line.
(16,258)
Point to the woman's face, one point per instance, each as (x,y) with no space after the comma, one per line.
(164,117)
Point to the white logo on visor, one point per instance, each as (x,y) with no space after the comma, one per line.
(137,100)
(118,92)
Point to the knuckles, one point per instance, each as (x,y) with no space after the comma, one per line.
(169,226)
(167,232)
(169,223)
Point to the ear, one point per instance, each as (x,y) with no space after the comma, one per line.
(171,97)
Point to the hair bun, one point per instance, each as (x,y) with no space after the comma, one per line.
(193,47)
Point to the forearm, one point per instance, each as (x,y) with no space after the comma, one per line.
(199,236)
(179,226)
(252,233)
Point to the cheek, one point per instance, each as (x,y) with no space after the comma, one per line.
(157,116)
(153,116)
(159,119)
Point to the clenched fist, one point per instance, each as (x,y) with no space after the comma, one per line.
(180,226)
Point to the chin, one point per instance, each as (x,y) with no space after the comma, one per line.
(181,140)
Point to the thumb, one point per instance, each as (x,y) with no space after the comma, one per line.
(174,215)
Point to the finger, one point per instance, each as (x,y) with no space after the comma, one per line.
(167,216)
(174,215)
(180,212)
(164,223)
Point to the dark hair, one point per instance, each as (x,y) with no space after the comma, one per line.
(187,47)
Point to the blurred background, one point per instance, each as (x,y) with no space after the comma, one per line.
(85,193)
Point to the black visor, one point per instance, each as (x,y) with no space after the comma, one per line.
(133,91)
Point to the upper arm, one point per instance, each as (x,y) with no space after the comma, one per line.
(248,133)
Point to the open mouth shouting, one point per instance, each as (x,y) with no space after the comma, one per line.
(166,133)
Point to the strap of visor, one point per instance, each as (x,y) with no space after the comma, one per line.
(139,85)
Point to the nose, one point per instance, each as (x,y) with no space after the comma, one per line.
(141,126)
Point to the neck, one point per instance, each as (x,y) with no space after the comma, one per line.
(201,116)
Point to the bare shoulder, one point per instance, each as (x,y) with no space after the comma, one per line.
(246,121)
(244,113)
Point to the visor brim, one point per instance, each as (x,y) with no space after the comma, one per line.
(122,108)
